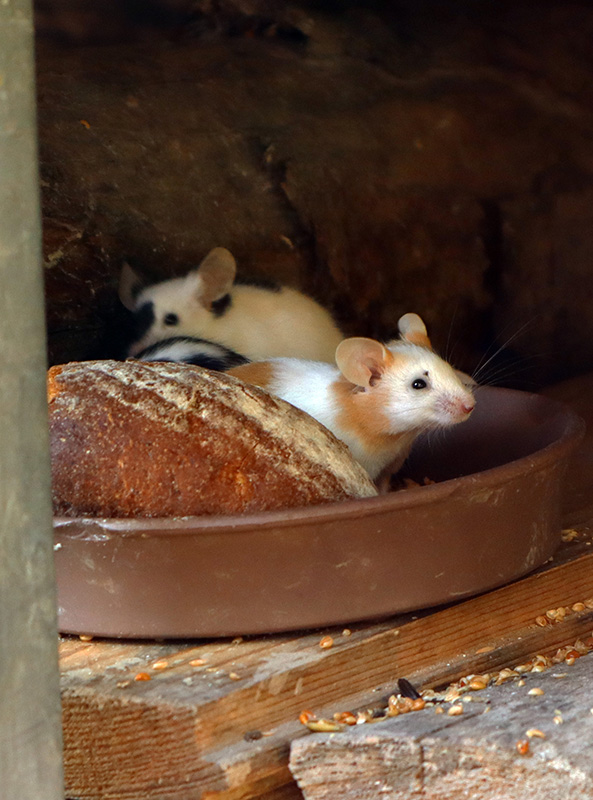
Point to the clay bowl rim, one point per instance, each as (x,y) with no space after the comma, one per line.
(555,451)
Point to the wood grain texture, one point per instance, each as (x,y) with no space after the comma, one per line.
(438,757)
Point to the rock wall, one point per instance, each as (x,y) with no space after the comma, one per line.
(386,157)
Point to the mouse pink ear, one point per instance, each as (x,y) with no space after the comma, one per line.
(413,330)
(214,277)
(362,361)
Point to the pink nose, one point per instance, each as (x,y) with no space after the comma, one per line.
(466,408)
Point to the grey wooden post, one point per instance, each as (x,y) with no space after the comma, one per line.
(30,719)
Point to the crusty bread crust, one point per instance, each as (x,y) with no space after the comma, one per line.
(168,439)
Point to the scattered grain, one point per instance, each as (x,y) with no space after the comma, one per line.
(455,710)
(142,676)
(326,642)
(541,621)
(522,747)
(536,692)
(323,726)
(234,677)
(569,535)
(197,662)
(535,732)
(85,637)
(346,632)
(578,607)
(161,664)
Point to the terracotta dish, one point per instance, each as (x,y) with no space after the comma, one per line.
(492,516)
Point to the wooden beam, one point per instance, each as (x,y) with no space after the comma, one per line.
(225,724)
(507,743)
(30,738)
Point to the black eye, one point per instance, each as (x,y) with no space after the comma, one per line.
(171,319)
(419,383)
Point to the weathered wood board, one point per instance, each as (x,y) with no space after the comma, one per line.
(476,754)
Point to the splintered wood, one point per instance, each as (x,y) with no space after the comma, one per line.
(506,744)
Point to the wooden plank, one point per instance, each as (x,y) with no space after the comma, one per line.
(472,755)
(263,684)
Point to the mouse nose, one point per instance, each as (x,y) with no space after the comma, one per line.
(467,408)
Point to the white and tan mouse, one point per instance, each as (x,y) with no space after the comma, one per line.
(378,398)
(256,319)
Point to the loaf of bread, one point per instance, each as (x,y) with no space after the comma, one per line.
(153,439)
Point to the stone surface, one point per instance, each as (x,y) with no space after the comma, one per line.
(419,157)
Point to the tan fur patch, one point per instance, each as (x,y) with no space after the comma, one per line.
(363,414)
(259,373)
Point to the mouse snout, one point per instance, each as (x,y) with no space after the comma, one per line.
(467,406)
(456,408)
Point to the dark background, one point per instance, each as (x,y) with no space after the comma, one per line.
(386,157)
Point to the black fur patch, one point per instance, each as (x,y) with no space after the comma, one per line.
(221,306)
(224,359)
(143,320)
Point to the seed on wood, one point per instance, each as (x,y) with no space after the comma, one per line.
(85,637)
(574,654)
(407,689)
(535,732)
(323,726)
(441,710)
(536,691)
(306,716)
(589,602)
(541,621)
(455,710)
(142,676)
(346,632)
(234,677)
(538,668)
(522,747)
(569,535)
(477,684)
(326,642)
(521,682)
(558,719)
(578,607)
(487,649)
(418,704)
(237,640)
(162,664)
(197,662)
(346,717)
(123,684)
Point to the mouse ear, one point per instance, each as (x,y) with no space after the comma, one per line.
(214,277)
(413,330)
(362,361)
(129,285)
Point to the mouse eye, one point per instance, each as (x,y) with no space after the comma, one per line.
(419,383)
(171,319)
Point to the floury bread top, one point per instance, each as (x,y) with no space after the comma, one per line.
(165,439)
